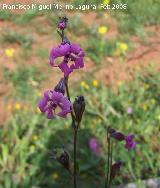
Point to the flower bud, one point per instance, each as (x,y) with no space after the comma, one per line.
(60,87)
(111,130)
(116,168)
(62,24)
(62,157)
(79,107)
(118,136)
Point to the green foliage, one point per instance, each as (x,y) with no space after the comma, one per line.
(26,17)
(9,36)
(28,138)
(98,48)
(42,52)
(24,80)
(5,15)
(135,16)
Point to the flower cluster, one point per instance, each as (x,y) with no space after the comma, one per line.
(129,139)
(54,102)
(69,52)
(50,103)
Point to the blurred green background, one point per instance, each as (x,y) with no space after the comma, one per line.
(121,71)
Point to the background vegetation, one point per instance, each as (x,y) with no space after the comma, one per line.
(115,78)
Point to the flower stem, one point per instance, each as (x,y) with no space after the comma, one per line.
(75,159)
(108,161)
(110,179)
(75,127)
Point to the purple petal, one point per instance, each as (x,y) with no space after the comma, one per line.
(75,49)
(59,51)
(79,63)
(65,69)
(56,97)
(63,113)
(48,94)
(66,104)
(50,114)
(130,137)
(42,104)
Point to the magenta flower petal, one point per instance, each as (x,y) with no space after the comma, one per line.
(70,52)
(75,49)
(130,143)
(51,100)
(65,69)
(94,146)
(129,110)
(60,51)
(50,114)
(42,104)
(79,63)
(57,96)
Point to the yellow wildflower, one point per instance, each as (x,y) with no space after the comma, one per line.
(99,120)
(146,86)
(9,52)
(17,106)
(32,148)
(105,2)
(35,137)
(9,107)
(66,126)
(122,46)
(39,94)
(55,176)
(95,83)
(120,83)
(144,107)
(102,30)
(38,110)
(84,85)
(87,86)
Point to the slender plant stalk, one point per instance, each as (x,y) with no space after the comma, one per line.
(75,127)
(75,159)
(110,179)
(108,161)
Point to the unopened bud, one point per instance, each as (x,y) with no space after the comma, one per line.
(62,24)
(118,136)
(60,87)
(79,107)
(62,157)
(115,168)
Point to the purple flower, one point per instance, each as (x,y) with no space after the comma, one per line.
(115,168)
(129,110)
(54,103)
(130,143)
(69,52)
(94,146)
(62,24)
